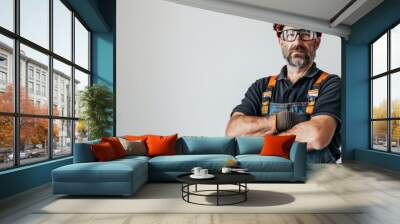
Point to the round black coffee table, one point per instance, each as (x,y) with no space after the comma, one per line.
(238,179)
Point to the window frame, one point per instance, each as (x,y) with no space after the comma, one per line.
(388,74)
(16,114)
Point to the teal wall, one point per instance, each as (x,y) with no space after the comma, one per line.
(355,106)
(99,15)
(103,51)
(103,64)
(102,58)
(24,178)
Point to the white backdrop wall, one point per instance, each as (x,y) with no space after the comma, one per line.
(182,69)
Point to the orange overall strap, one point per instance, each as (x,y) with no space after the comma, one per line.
(314,92)
(272,82)
(267,95)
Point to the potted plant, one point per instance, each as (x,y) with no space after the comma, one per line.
(96,102)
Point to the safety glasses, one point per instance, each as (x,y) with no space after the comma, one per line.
(290,35)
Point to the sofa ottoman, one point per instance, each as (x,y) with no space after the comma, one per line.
(118,177)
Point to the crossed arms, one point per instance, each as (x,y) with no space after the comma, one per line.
(316,132)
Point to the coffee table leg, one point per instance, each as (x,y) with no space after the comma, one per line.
(245,193)
(185,187)
(196,188)
(188,189)
(217,194)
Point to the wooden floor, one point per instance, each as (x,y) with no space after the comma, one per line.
(378,188)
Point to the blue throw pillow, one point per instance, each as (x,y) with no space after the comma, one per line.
(249,145)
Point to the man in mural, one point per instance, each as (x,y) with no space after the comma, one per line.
(300,100)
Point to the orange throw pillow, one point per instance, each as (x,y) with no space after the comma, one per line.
(136,137)
(161,145)
(116,145)
(103,152)
(277,145)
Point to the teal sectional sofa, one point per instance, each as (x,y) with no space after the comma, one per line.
(125,176)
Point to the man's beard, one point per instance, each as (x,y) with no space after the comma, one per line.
(298,62)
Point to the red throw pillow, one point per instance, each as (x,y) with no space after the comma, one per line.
(103,152)
(277,145)
(116,145)
(161,145)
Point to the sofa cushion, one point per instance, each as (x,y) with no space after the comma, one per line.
(161,145)
(249,145)
(136,137)
(275,145)
(103,152)
(185,163)
(197,145)
(136,147)
(116,145)
(111,171)
(142,138)
(257,163)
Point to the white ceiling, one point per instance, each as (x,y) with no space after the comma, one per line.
(327,16)
(321,9)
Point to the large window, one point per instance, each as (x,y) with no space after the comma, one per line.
(385,92)
(44,64)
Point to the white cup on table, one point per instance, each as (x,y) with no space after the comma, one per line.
(203,172)
(196,171)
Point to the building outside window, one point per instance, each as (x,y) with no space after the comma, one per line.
(30,87)
(55,95)
(43,90)
(38,89)
(3,81)
(3,72)
(3,78)
(44,77)
(3,61)
(37,75)
(30,72)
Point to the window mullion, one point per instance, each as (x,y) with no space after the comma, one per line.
(16,84)
(389,104)
(73,81)
(371,89)
(50,81)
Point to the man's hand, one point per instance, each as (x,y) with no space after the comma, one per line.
(241,124)
(287,119)
(317,132)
